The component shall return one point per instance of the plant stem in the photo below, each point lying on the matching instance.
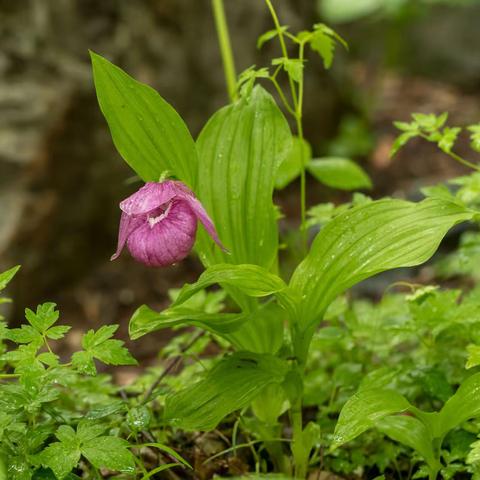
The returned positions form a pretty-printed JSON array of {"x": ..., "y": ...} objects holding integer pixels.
[
  {"x": 461, "y": 160},
  {"x": 298, "y": 452},
  {"x": 303, "y": 187},
  {"x": 225, "y": 49},
  {"x": 455, "y": 156},
  {"x": 283, "y": 46},
  {"x": 297, "y": 113}
]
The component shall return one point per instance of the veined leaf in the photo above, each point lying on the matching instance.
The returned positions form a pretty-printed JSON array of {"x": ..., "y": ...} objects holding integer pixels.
[
  {"x": 367, "y": 240},
  {"x": 364, "y": 410},
  {"x": 251, "y": 280},
  {"x": 293, "y": 67},
  {"x": 147, "y": 131},
  {"x": 146, "y": 320},
  {"x": 269, "y": 35},
  {"x": 464, "y": 405},
  {"x": 339, "y": 173},
  {"x": 6, "y": 276},
  {"x": 409, "y": 431},
  {"x": 240, "y": 150},
  {"x": 291, "y": 166},
  {"x": 263, "y": 332},
  {"x": 231, "y": 385}
]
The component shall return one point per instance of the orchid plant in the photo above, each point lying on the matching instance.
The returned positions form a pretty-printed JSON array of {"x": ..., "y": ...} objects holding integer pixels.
[{"x": 225, "y": 179}]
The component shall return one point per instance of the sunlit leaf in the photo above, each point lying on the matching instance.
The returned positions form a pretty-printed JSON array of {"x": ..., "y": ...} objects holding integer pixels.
[
  {"x": 364, "y": 410},
  {"x": 409, "y": 431},
  {"x": 465, "y": 404}
]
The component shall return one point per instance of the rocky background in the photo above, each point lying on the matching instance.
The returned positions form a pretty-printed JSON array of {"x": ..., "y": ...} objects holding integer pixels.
[{"x": 61, "y": 178}]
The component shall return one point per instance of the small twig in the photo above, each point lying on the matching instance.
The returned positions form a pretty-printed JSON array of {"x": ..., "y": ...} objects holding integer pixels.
[{"x": 174, "y": 362}]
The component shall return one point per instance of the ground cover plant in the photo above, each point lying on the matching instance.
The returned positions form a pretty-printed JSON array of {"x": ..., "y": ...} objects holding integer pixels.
[{"x": 306, "y": 379}]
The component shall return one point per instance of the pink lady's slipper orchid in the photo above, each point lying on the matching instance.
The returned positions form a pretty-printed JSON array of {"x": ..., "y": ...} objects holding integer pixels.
[{"x": 159, "y": 223}]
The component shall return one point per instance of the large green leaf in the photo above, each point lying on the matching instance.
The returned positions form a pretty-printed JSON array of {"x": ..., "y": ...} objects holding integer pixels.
[
  {"x": 339, "y": 173},
  {"x": 231, "y": 385},
  {"x": 146, "y": 320},
  {"x": 409, "y": 431},
  {"x": 251, "y": 280},
  {"x": 148, "y": 133},
  {"x": 240, "y": 150},
  {"x": 364, "y": 410},
  {"x": 464, "y": 405},
  {"x": 367, "y": 240}
]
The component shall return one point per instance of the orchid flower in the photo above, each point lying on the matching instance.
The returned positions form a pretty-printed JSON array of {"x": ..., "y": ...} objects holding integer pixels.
[{"x": 159, "y": 223}]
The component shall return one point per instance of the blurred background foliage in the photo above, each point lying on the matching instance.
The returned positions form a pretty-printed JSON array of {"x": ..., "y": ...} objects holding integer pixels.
[{"x": 61, "y": 179}]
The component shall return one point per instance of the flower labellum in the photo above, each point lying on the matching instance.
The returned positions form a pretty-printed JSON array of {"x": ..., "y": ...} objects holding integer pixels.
[{"x": 159, "y": 223}]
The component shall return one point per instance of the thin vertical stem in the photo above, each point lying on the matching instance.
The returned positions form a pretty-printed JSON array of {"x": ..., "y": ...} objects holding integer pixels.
[
  {"x": 297, "y": 98},
  {"x": 225, "y": 49},
  {"x": 303, "y": 187},
  {"x": 283, "y": 46}
]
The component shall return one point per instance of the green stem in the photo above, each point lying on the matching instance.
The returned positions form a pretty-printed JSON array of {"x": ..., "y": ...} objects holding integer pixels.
[
  {"x": 455, "y": 156},
  {"x": 225, "y": 49},
  {"x": 297, "y": 113},
  {"x": 283, "y": 46},
  {"x": 282, "y": 96},
  {"x": 461, "y": 160},
  {"x": 303, "y": 187},
  {"x": 299, "y": 450}
]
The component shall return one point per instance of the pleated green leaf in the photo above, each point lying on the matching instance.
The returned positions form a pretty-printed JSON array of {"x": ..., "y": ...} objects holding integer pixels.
[
  {"x": 364, "y": 410},
  {"x": 240, "y": 150},
  {"x": 147, "y": 131},
  {"x": 146, "y": 320},
  {"x": 464, "y": 405},
  {"x": 231, "y": 385},
  {"x": 251, "y": 280},
  {"x": 409, "y": 431},
  {"x": 263, "y": 332},
  {"x": 367, "y": 240}
]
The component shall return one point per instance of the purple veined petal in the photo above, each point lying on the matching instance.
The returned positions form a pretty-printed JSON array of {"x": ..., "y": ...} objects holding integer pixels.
[
  {"x": 128, "y": 224},
  {"x": 166, "y": 241},
  {"x": 183, "y": 192},
  {"x": 152, "y": 195},
  {"x": 203, "y": 217}
]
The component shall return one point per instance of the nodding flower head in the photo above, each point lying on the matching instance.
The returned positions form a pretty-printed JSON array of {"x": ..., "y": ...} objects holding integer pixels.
[{"x": 159, "y": 223}]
